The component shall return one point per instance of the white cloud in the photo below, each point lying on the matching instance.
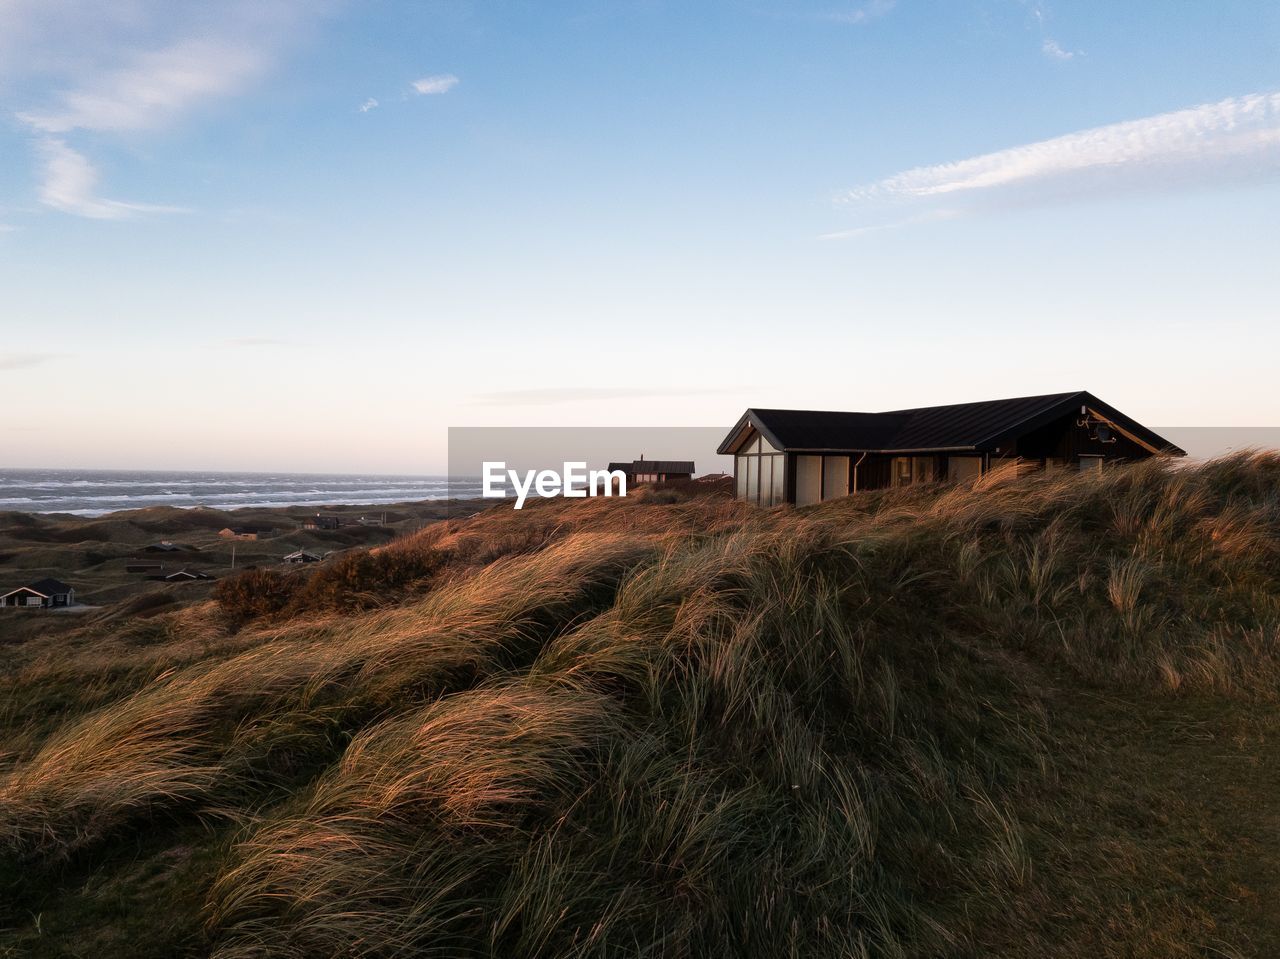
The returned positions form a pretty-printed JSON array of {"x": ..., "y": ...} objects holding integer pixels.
[
  {"x": 126, "y": 66},
  {"x": 70, "y": 183},
  {"x": 154, "y": 87},
  {"x": 873, "y": 10},
  {"x": 928, "y": 217},
  {"x": 1238, "y": 138},
  {"x": 370, "y": 104},
  {"x": 1053, "y": 51},
  {"x": 438, "y": 83}
]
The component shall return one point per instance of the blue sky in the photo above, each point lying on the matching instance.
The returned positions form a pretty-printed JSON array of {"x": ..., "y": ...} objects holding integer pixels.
[{"x": 312, "y": 235}]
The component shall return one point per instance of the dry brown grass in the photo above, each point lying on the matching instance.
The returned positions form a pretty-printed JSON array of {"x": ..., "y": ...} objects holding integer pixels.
[{"x": 598, "y": 728}]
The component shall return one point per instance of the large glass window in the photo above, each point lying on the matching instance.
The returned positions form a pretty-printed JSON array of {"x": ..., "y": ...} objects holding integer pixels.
[
  {"x": 761, "y": 473},
  {"x": 779, "y": 479}
]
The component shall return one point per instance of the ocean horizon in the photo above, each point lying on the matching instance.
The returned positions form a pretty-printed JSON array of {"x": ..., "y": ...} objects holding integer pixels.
[{"x": 82, "y": 492}]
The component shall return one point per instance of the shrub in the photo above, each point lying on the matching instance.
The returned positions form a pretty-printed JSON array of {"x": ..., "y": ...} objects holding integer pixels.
[
  {"x": 364, "y": 579},
  {"x": 255, "y": 593}
]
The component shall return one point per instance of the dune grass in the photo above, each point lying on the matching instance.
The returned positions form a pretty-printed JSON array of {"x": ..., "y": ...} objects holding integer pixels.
[{"x": 878, "y": 727}]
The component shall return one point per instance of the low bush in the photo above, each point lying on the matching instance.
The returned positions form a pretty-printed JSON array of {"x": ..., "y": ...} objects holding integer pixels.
[{"x": 255, "y": 593}]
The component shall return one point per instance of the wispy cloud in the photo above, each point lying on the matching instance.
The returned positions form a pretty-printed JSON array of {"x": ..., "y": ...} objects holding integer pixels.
[
  {"x": 70, "y": 183},
  {"x": 1048, "y": 45},
  {"x": 24, "y": 361},
  {"x": 872, "y": 10},
  {"x": 154, "y": 87},
  {"x": 931, "y": 216},
  {"x": 121, "y": 68},
  {"x": 370, "y": 104},
  {"x": 438, "y": 83},
  {"x": 1229, "y": 141},
  {"x": 575, "y": 394},
  {"x": 1052, "y": 50}
]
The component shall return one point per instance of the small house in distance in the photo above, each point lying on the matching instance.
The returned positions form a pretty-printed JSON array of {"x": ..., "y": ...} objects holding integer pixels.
[
  {"x": 302, "y": 556},
  {"x": 322, "y": 522},
  {"x": 42, "y": 594},
  {"x": 808, "y": 456},
  {"x": 180, "y": 576},
  {"x": 654, "y": 471},
  {"x": 244, "y": 532},
  {"x": 164, "y": 546}
]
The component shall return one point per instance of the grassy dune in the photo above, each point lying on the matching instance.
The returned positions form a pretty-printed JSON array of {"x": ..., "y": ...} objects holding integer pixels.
[{"x": 1031, "y": 717}]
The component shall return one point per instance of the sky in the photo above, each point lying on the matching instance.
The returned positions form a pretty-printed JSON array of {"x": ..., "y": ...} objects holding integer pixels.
[{"x": 314, "y": 234}]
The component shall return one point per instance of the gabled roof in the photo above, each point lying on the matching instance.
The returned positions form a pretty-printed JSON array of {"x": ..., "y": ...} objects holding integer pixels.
[
  {"x": 653, "y": 466},
  {"x": 961, "y": 426},
  {"x": 44, "y": 587}
]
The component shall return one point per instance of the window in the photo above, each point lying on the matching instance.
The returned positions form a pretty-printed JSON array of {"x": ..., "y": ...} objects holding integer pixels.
[
  {"x": 1090, "y": 464},
  {"x": 914, "y": 469},
  {"x": 902, "y": 471},
  {"x": 961, "y": 469},
  {"x": 761, "y": 472}
]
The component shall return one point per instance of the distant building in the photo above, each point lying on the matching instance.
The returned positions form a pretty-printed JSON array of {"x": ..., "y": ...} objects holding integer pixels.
[
  {"x": 244, "y": 532},
  {"x": 42, "y": 594},
  {"x": 143, "y": 566},
  {"x": 181, "y": 576},
  {"x": 302, "y": 556},
  {"x": 164, "y": 546},
  {"x": 322, "y": 522},
  {"x": 654, "y": 471}
]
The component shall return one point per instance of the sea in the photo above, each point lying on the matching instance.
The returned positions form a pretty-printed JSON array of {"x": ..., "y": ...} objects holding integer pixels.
[{"x": 94, "y": 492}]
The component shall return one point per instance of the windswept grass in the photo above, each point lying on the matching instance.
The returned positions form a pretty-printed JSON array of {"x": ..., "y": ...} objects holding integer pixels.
[{"x": 641, "y": 728}]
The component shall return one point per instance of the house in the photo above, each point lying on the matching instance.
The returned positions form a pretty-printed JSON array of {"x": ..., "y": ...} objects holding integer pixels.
[
  {"x": 302, "y": 556},
  {"x": 806, "y": 456},
  {"x": 322, "y": 522},
  {"x": 143, "y": 566},
  {"x": 42, "y": 594},
  {"x": 180, "y": 576},
  {"x": 164, "y": 546},
  {"x": 244, "y": 532},
  {"x": 654, "y": 471}
]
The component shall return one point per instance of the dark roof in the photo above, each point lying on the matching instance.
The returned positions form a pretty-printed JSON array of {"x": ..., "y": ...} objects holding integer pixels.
[
  {"x": 49, "y": 587},
  {"x": 653, "y": 466},
  {"x": 960, "y": 426}
]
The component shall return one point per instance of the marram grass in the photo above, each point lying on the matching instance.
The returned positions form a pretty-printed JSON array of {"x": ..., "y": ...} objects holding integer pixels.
[{"x": 645, "y": 728}]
